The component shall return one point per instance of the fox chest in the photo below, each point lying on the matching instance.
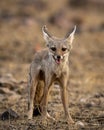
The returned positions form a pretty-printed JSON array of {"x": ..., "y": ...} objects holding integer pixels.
[{"x": 58, "y": 72}]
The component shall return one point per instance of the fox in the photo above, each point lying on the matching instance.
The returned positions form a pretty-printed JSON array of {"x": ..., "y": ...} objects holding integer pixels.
[{"x": 49, "y": 66}]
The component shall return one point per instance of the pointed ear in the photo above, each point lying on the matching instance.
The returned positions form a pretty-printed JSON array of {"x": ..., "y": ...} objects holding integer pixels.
[
  {"x": 46, "y": 34},
  {"x": 70, "y": 36}
]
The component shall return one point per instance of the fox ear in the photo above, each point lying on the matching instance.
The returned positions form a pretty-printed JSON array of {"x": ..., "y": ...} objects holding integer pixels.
[
  {"x": 70, "y": 37},
  {"x": 46, "y": 34}
]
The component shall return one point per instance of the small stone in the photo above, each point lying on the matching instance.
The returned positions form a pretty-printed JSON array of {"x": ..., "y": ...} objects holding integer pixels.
[
  {"x": 80, "y": 124},
  {"x": 9, "y": 114},
  {"x": 83, "y": 100}
]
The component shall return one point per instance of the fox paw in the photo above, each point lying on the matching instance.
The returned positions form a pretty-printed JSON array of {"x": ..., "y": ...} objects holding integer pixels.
[
  {"x": 50, "y": 117},
  {"x": 47, "y": 116},
  {"x": 29, "y": 115}
]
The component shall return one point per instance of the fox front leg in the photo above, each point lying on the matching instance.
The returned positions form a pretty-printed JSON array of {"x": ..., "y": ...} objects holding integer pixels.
[
  {"x": 64, "y": 97},
  {"x": 44, "y": 102}
]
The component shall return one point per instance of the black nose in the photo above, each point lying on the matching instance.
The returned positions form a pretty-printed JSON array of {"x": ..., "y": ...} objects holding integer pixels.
[{"x": 58, "y": 57}]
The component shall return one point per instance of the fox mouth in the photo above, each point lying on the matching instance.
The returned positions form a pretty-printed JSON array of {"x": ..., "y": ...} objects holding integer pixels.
[{"x": 57, "y": 60}]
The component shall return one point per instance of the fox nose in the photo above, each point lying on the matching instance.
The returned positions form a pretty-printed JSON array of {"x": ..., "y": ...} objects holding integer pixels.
[{"x": 58, "y": 57}]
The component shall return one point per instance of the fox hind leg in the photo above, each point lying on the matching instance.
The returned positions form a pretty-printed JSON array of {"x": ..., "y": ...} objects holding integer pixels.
[{"x": 32, "y": 89}]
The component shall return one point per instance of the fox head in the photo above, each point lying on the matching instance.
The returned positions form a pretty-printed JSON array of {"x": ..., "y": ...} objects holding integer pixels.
[{"x": 59, "y": 49}]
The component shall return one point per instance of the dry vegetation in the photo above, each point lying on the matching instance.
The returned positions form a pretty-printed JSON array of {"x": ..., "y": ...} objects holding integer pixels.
[{"x": 21, "y": 36}]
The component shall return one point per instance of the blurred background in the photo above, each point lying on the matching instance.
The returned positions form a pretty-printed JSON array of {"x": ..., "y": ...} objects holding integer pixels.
[
  {"x": 21, "y": 36},
  {"x": 20, "y": 30}
]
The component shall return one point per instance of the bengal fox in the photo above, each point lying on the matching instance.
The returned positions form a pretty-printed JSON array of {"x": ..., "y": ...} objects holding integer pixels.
[{"x": 50, "y": 65}]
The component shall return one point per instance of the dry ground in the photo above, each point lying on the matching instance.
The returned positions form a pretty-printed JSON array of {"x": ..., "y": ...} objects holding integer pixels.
[{"x": 21, "y": 36}]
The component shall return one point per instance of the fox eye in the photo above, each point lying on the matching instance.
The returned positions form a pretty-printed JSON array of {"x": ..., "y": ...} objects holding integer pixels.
[
  {"x": 64, "y": 49},
  {"x": 53, "y": 48}
]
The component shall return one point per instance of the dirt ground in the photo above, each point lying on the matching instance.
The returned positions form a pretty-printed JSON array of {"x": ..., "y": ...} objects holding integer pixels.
[{"x": 21, "y": 37}]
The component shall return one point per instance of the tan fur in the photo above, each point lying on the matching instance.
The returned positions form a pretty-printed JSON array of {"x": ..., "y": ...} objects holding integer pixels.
[{"x": 49, "y": 66}]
